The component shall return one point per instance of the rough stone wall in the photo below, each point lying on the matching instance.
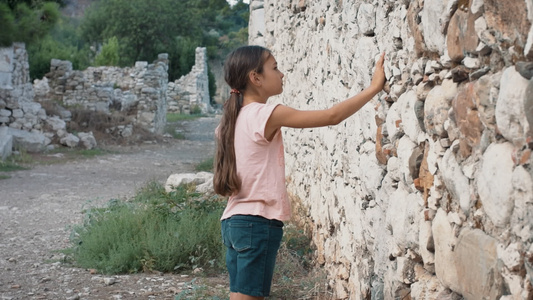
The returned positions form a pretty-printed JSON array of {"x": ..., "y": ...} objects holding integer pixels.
[
  {"x": 16, "y": 92},
  {"x": 24, "y": 124},
  {"x": 427, "y": 191},
  {"x": 143, "y": 91},
  {"x": 139, "y": 90},
  {"x": 191, "y": 90}
]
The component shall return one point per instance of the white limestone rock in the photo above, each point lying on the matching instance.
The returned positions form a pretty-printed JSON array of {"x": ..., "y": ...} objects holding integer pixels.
[
  {"x": 200, "y": 179},
  {"x": 88, "y": 140},
  {"x": 366, "y": 18},
  {"x": 510, "y": 109},
  {"x": 70, "y": 140},
  {"x": 6, "y": 143},
  {"x": 522, "y": 217},
  {"x": 402, "y": 217},
  {"x": 433, "y": 37},
  {"x": 56, "y": 123},
  {"x": 454, "y": 179},
  {"x": 29, "y": 141},
  {"x": 445, "y": 241},
  {"x": 494, "y": 183},
  {"x": 477, "y": 266}
]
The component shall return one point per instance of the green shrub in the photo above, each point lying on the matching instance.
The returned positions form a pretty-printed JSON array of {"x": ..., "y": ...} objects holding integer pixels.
[
  {"x": 156, "y": 230},
  {"x": 205, "y": 166},
  {"x": 109, "y": 56},
  {"x": 10, "y": 166},
  {"x": 196, "y": 110},
  {"x": 176, "y": 117}
]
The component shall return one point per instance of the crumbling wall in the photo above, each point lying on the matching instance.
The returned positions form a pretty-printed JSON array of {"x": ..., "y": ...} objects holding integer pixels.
[
  {"x": 191, "y": 91},
  {"x": 142, "y": 92},
  {"x": 138, "y": 91},
  {"x": 24, "y": 124},
  {"x": 427, "y": 191}
]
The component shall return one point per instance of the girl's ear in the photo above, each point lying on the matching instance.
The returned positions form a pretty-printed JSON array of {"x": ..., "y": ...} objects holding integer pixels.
[{"x": 254, "y": 78}]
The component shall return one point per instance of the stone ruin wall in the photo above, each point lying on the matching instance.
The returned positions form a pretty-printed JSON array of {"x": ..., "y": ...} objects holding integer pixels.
[
  {"x": 23, "y": 122},
  {"x": 138, "y": 91},
  {"x": 427, "y": 192},
  {"x": 142, "y": 93},
  {"x": 191, "y": 91},
  {"x": 142, "y": 90}
]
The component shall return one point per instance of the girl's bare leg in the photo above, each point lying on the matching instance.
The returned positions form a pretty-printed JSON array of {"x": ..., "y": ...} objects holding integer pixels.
[{"x": 239, "y": 296}]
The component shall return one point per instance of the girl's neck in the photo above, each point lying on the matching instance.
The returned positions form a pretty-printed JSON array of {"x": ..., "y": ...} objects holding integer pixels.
[{"x": 253, "y": 97}]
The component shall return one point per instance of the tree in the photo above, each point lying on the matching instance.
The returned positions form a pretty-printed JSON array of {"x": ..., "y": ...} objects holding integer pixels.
[
  {"x": 26, "y": 21},
  {"x": 145, "y": 28},
  {"x": 62, "y": 42},
  {"x": 109, "y": 56},
  {"x": 142, "y": 27}
]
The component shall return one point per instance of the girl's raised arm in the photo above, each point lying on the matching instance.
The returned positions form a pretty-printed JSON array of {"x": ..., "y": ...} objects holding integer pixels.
[{"x": 284, "y": 116}]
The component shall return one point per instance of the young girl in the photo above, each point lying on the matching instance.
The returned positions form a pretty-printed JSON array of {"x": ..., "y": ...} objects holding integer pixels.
[{"x": 250, "y": 165}]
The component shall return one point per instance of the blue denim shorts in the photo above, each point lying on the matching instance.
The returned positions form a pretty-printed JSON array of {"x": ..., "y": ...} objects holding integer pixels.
[{"x": 252, "y": 243}]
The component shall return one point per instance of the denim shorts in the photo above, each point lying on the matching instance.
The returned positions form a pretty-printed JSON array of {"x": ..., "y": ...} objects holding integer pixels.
[{"x": 252, "y": 243}]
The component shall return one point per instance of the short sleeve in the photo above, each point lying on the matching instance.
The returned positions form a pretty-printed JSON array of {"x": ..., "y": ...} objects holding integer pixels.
[{"x": 258, "y": 119}]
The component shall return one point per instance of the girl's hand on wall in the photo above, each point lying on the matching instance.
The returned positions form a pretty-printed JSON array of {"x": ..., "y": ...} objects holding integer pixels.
[{"x": 378, "y": 79}]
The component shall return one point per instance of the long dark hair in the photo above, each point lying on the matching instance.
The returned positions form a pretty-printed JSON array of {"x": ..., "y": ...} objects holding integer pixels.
[{"x": 238, "y": 65}]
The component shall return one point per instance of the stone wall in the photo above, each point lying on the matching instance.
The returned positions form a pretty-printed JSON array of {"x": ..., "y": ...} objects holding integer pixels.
[
  {"x": 142, "y": 91},
  {"x": 139, "y": 91},
  {"x": 191, "y": 91},
  {"x": 427, "y": 191},
  {"x": 24, "y": 124}
]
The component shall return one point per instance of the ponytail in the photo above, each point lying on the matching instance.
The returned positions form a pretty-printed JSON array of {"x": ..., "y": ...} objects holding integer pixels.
[
  {"x": 238, "y": 65},
  {"x": 225, "y": 180}
]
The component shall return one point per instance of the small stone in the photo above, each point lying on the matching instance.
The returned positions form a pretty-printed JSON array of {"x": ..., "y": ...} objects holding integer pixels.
[
  {"x": 109, "y": 280},
  {"x": 459, "y": 74},
  {"x": 479, "y": 73},
  {"x": 525, "y": 69}
]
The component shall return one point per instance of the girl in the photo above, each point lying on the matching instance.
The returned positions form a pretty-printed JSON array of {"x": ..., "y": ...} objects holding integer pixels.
[{"x": 250, "y": 166}]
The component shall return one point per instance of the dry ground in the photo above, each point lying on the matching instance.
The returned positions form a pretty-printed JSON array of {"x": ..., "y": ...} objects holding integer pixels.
[{"x": 37, "y": 207}]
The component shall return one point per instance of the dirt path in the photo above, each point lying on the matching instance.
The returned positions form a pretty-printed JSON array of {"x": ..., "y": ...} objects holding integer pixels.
[{"x": 37, "y": 207}]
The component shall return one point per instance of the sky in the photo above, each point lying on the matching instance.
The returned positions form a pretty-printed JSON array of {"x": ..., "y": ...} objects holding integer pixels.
[{"x": 231, "y": 2}]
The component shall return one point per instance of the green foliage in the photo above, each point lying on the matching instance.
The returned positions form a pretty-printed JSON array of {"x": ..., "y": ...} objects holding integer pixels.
[
  {"x": 25, "y": 22},
  {"x": 63, "y": 43},
  {"x": 182, "y": 56},
  {"x": 10, "y": 166},
  {"x": 196, "y": 110},
  {"x": 212, "y": 85},
  {"x": 109, "y": 56},
  {"x": 31, "y": 3},
  {"x": 205, "y": 166},
  {"x": 145, "y": 28},
  {"x": 176, "y": 117},
  {"x": 7, "y": 23},
  {"x": 154, "y": 231}
]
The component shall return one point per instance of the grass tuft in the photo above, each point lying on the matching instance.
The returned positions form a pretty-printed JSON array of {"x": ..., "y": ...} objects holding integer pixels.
[
  {"x": 155, "y": 231},
  {"x": 206, "y": 165},
  {"x": 176, "y": 117}
]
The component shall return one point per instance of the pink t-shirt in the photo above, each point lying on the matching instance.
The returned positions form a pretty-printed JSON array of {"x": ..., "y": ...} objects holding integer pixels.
[{"x": 261, "y": 167}]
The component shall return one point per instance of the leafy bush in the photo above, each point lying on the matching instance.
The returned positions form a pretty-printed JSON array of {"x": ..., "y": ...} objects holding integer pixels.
[
  {"x": 156, "y": 230},
  {"x": 109, "y": 56}
]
